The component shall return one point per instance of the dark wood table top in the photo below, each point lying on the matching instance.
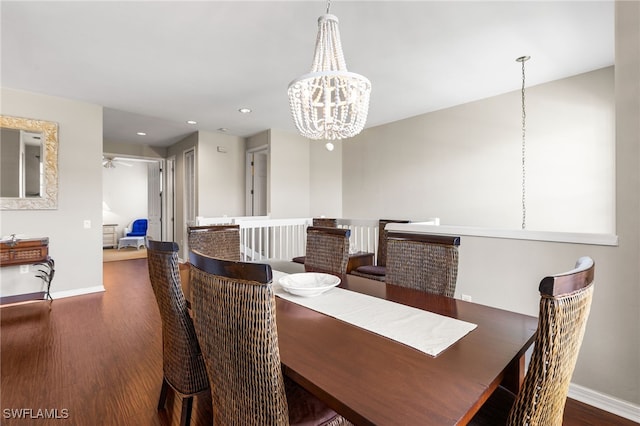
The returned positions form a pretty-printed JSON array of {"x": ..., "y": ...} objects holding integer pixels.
[{"x": 371, "y": 379}]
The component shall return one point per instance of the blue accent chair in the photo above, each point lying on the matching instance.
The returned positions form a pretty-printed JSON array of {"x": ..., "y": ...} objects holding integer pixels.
[{"x": 138, "y": 228}]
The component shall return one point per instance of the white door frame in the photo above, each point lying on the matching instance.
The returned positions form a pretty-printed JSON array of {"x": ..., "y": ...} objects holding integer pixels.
[
  {"x": 160, "y": 184},
  {"x": 169, "y": 198},
  {"x": 250, "y": 189}
]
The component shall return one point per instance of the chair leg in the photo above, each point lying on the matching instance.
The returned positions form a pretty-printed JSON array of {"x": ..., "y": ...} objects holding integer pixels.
[
  {"x": 163, "y": 394},
  {"x": 187, "y": 404}
]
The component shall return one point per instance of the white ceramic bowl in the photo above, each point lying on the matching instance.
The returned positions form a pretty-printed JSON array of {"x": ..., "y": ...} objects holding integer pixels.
[{"x": 308, "y": 284}]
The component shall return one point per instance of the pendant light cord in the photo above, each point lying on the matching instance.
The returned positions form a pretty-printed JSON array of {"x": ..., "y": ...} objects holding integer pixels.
[
  {"x": 328, "y": 6},
  {"x": 522, "y": 60},
  {"x": 524, "y": 169}
]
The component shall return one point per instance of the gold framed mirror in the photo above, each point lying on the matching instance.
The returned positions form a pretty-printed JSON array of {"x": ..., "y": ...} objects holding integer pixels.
[{"x": 29, "y": 164}]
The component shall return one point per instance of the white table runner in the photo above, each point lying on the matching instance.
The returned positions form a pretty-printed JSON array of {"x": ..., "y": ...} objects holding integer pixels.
[{"x": 425, "y": 331}]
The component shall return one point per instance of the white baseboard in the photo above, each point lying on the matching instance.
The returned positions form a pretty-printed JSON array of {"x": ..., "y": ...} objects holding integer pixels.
[
  {"x": 76, "y": 292},
  {"x": 605, "y": 402}
]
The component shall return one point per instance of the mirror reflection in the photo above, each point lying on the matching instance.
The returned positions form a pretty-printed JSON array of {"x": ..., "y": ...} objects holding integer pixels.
[
  {"x": 21, "y": 163},
  {"x": 28, "y": 163}
]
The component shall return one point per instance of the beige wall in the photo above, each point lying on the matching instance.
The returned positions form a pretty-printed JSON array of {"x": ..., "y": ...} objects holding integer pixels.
[
  {"x": 77, "y": 251},
  {"x": 258, "y": 140},
  {"x": 463, "y": 164},
  {"x": 325, "y": 184},
  {"x": 221, "y": 175},
  {"x": 623, "y": 284},
  {"x": 133, "y": 149},
  {"x": 289, "y": 175},
  {"x": 220, "y": 181},
  {"x": 418, "y": 181},
  {"x": 177, "y": 151},
  {"x": 304, "y": 178}
]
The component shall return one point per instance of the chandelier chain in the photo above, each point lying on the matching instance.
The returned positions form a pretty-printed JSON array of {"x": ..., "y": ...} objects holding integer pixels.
[
  {"x": 328, "y": 6},
  {"x": 524, "y": 128}
]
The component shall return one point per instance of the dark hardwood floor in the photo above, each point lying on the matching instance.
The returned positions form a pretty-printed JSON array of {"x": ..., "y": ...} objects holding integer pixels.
[{"x": 97, "y": 360}]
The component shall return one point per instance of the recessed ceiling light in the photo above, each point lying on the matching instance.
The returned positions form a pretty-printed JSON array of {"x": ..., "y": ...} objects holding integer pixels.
[
  {"x": 141, "y": 134},
  {"x": 223, "y": 129},
  {"x": 192, "y": 122},
  {"x": 244, "y": 110}
]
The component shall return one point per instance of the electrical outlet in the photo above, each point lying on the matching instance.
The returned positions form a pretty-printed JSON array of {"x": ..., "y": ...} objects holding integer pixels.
[
  {"x": 466, "y": 298},
  {"x": 24, "y": 269},
  {"x": 87, "y": 224}
]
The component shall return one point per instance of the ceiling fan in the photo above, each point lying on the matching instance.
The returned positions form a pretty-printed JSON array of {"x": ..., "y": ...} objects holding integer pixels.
[{"x": 112, "y": 162}]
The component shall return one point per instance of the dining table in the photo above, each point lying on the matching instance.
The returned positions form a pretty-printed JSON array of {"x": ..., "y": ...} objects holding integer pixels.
[{"x": 371, "y": 379}]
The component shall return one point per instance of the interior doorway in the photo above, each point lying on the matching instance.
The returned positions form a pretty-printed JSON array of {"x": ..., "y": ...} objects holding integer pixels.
[
  {"x": 134, "y": 187},
  {"x": 154, "y": 200},
  {"x": 256, "y": 187}
]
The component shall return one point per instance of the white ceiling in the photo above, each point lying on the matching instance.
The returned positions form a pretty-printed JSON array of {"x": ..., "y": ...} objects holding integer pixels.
[{"x": 155, "y": 64}]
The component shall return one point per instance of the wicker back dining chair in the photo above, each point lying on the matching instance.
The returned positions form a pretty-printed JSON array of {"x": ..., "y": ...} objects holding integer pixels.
[
  {"x": 325, "y": 222},
  {"x": 424, "y": 262},
  {"x": 220, "y": 241},
  {"x": 327, "y": 249},
  {"x": 182, "y": 362},
  {"x": 235, "y": 320},
  {"x": 379, "y": 270},
  {"x": 565, "y": 302}
]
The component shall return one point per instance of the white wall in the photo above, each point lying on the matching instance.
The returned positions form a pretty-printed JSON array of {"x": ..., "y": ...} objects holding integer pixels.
[
  {"x": 125, "y": 192},
  {"x": 463, "y": 164},
  {"x": 77, "y": 251}
]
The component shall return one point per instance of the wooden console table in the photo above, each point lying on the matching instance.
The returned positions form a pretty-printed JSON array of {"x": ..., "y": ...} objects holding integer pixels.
[{"x": 30, "y": 251}]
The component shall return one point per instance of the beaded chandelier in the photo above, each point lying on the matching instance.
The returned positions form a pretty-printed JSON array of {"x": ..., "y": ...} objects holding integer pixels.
[{"x": 329, "y": 102}]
